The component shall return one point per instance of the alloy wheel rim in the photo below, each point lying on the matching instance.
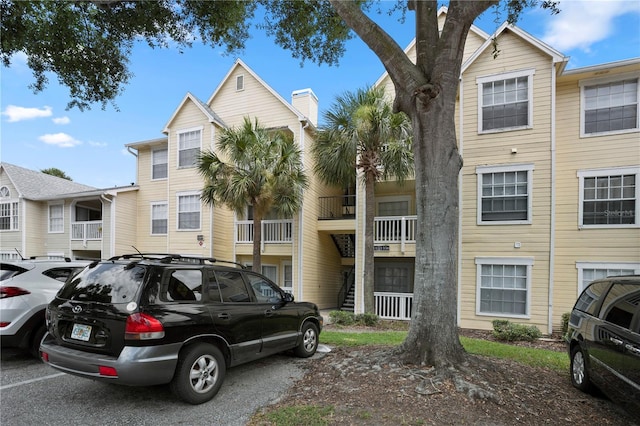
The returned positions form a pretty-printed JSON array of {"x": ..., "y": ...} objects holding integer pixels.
[
  {"x": 578, "y": 368},
  {"x": 204, "y": 374},
  {"x": 309, "y": 340}
]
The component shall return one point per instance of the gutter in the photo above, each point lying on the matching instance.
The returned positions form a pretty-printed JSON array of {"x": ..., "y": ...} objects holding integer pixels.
[
  {"x": 299, "y": 262},
  {"x": 460, "y": 181}
]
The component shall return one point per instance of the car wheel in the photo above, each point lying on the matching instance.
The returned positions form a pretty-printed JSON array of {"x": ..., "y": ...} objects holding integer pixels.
[
  {"x": 579, "y": 369},
  {"x": 199, "y": 373},
  {"x": 309, "y": 343},
  {"x": 36, "y": 338}
]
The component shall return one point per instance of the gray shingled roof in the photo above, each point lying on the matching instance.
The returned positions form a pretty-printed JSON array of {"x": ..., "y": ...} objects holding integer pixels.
[{"x": 34, "y": 185}]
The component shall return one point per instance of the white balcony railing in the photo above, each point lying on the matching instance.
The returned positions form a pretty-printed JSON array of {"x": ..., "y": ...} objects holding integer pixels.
[
  {"x": 273, "y": 231},
  {"x": 395, "y": 229},
  {"x": 395, "y": 306},
  {"x": 86, "y": 231}
]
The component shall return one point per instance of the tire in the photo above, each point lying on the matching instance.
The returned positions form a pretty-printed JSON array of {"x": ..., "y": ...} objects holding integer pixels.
[
  {"x": 580, "y": 370},
  {"x": 309, "y": 343},
  {"x": 199, "y": 374},
  {"x": 36, "y": 338}
]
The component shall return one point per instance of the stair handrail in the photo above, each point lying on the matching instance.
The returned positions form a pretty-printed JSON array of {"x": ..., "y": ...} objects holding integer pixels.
[{"x": 348, "y": 281}]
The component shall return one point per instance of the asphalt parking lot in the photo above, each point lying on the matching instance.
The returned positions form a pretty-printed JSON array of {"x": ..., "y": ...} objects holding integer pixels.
[{"x": 34, "y": 393}]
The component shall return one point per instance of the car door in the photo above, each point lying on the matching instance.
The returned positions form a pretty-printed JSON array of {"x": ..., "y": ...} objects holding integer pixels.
[
  {"x": 236, "y": 315},
  {"x": 281, "y": 320}
]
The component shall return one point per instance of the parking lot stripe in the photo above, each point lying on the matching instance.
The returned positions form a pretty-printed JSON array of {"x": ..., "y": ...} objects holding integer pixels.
[{"x": 26, "y": 382}]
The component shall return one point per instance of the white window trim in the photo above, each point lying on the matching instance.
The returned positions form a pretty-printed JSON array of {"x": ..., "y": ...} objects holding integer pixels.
[
  {"x": 607, "y": 172},
  {"x": 238, "y": 78},
  {"x": 283, "y": 266},
  {"x": 14, "y": 225},
  {"x": 49, "y": 218},
  {"x": 394, "y": 199},
  {"x": 180, "y": 132},
  {"x": 151, "y": 205},
  {"x": 481, "y": 170},
  {"x": 505, "y": 76},
  {"x": 581, "y": 266},
  {"x": 184, "y": 194},
  {"x": 605, "y": 80},
  {"x": 153, "y": 164},
  {"x": 527, "y": 261}
]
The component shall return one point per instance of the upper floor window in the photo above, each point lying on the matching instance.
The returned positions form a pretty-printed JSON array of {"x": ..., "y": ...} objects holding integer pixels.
[
  {"x": 56, "y": 218},
  {"x": 189, "y": 143},
  {"x": 189, "y": 211},
  {"x": 4, "y": 192},
  {"x": 609, "y": 106},
  {"x": 9, "y": 216},
  {"x": 239, "y": 83},
  {"x": 159, "y": 163},
  {"x": 504, "y": 194},
  {"x": 505, "y": 101},
  {"x": 159, "y": 218},
  {"x": 609, "y": 198},
  {"x": 503, "y": 286}
]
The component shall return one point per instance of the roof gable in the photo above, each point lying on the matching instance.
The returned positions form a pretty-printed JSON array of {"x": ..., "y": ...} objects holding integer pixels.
[
  {"x": 206, "y": 111},
  {"x": 34, "y": 185}
]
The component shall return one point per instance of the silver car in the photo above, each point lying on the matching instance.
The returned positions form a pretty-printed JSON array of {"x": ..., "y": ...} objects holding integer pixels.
[{"x": 26, "y": 288}]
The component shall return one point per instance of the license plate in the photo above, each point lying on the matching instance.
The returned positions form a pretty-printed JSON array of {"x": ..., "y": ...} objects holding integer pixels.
[{"x": 81, "y": 332}]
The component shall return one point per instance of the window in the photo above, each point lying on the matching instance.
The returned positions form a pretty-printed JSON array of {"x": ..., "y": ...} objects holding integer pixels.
[
  {"x": 239, "y": 83},
  {"x": 159, "y": 218},
  {"x": 232, "y": 287},
  {"x": 621, "y": 304},
  {"x": 591, "y": 271},
  {"x": 503, "y": 286},
  {"x": 393, "y": 206},
  {"x": 188, "y": 148},
  {"x": 184, "y": 286},
  {"x": 504, "y": 194},
  {"x": 159, "y": 164},
  {"x": 4, "y": 192},
  {"x": 271, "y": 272},
  {"x": 9, "y": 216},
  {"x": 609, "y": 106},
  {"x": 264, "y": 291},
  {"x": 56, "y": 218},
  {"x": 393, "y": 277},
  {"x": 287, "y": 279},
  {"x": 609, "y": 198},
  {"x": 188, "y": 211},
  {"x": 505, "y": 101}
]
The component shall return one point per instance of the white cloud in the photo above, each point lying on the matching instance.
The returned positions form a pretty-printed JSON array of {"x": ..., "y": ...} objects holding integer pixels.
[
  {"x": 61, "y": 120},
  {"x": 98, "y": 144},
  {"x": 18, "y": 113},
  {"x": 61, "y": 140},
  {"x": 582, "y": 23}
]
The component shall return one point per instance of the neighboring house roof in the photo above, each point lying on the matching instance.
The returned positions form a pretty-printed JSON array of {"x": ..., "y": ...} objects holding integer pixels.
[
  {"x": 149, "y": 142},
  {"x": 239, "y": 63},
  {"x": 557, "y": 56},
  {"x": 34, "y": 185},
  {"x": 602, "y": 67},
  {"x": 208, "y": 112}
]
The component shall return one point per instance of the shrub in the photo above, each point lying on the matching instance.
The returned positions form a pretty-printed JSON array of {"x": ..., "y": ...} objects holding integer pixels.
[
  {"x": 367, "y": 319},
  {"x": 342, "y": 317},
  {"x": 506, "y": 330},
  {"x": 565, "y": 323}
]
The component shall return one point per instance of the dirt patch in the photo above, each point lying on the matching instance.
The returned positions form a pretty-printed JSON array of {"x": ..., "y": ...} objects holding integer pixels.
[{"x": 368, "y": 386}]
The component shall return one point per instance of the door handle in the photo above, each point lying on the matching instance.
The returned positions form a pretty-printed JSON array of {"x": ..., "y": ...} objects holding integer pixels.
[
  {"x": 268, "y": 313},
  {"x": 632, "y": 349},
  {"x": 224, "y": 316},
  {"x": 616, "y": 341}
]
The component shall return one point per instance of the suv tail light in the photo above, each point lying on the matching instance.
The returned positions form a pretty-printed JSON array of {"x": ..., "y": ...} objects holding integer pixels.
[
  {"x": 6, "y": 292},
  {"x": 142, "y": 326}
]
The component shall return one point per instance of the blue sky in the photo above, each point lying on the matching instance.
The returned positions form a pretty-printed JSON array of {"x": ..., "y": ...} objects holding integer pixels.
[{"x": 37, "y": 132}]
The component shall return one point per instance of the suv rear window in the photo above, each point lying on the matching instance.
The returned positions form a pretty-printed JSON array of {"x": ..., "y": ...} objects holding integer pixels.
[
  {"x": 7, "y": 271},
  {"x": 105, "y": 283}
]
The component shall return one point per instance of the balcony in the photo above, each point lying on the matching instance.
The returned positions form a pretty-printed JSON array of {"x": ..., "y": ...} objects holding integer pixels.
[
  {"x": 86, "y": 231},
  {"x": 273, "y": 232},
  {"x": 394, "y": 306},
  {"x": 340, "y": 207},
  {"x": 395, "y": 230}
]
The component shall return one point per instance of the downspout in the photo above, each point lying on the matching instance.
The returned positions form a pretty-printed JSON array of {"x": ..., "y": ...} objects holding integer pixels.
[
  {"x": 112, "y": 225},
  {"x": 460, "y": 149},
  {"x": 301, "y": 214},
  {"x": 22, "y": 205},
  {"x": 552, "y": 224}
]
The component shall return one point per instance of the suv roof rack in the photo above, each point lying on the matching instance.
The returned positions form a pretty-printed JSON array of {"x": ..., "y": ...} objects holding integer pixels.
[
  {"x": 170, "y": 257},
  {"x": 63, "y": 259}
]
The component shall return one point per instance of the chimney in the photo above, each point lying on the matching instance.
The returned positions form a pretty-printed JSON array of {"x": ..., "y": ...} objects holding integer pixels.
[{"x": 306, "y": 102}]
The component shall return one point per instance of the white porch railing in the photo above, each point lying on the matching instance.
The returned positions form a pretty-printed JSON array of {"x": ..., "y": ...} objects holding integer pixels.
[
  {"x": 86, "y": 231},
  {"x": 273, "y": 231},
  {"x": 395, "y": 229},
  {"x": 395, "y": 306}
]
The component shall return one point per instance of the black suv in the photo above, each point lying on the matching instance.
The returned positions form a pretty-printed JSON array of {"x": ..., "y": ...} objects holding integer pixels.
[
  {"x": 604, "y": 340},
  {"x": 148, "y": 319}
]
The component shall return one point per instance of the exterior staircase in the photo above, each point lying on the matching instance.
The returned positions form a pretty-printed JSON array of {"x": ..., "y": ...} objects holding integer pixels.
[
  {"x": 346, "y": 244},
  {"x": 349, "y": 300}
]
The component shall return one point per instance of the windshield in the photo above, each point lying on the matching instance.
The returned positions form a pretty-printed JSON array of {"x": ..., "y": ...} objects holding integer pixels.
[{"x": 105, "y": 283}]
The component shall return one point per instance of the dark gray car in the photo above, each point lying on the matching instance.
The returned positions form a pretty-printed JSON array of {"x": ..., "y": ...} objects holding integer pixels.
[{"x": 604, "y": 340}]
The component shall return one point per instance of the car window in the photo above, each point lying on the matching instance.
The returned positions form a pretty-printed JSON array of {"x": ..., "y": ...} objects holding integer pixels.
[
  {"x": 621, "y": 304},
  {"x": 587, "y": 300},
  {"x": 214, "y": 288},
  {"x": 7, "y": 271},
  {"x": 105, "y": 283},
  {"x": 232, "y": 287},
  {"x": 265, "y": 291},
  {"x": 61, "y": 274},
  {"x": 184, "y": 285}
]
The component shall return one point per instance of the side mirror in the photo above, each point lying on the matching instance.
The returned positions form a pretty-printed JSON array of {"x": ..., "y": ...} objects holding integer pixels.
[{"x": 288, "y": 298}]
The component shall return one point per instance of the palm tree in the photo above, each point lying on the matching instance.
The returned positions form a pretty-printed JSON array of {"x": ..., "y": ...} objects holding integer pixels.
[
  {"x": 259, "y": 167},
  {"x": 362, "y": 133}
]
